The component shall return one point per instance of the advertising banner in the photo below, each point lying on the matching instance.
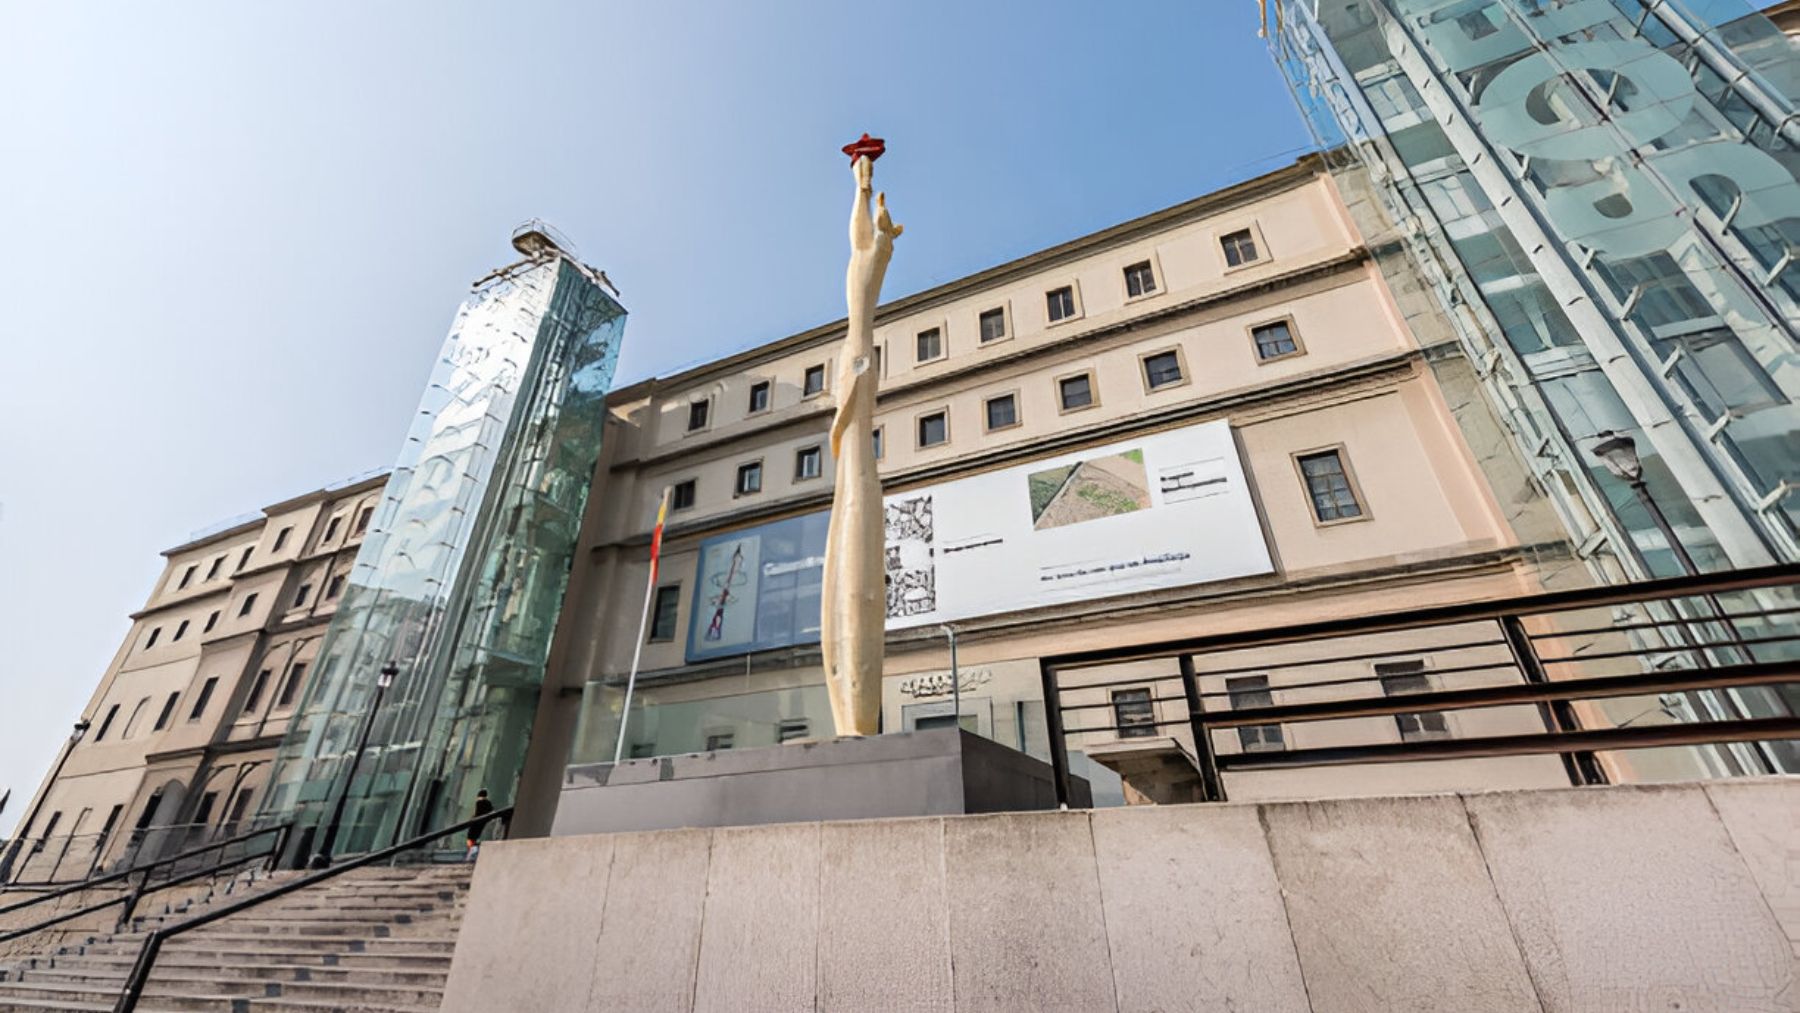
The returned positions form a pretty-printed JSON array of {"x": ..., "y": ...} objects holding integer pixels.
[{"x": 1157, "y": 511}]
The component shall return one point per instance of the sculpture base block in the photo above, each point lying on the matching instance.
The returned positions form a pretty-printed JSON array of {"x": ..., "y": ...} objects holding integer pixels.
[{"x": 937, "y": 772}]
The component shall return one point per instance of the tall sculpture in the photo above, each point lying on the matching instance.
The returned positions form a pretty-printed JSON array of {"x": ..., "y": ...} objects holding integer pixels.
[{"x": 853, "y": 619}]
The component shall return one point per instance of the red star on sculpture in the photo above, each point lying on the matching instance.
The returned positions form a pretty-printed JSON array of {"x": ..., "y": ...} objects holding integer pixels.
[{"x": 865, "y": 145}]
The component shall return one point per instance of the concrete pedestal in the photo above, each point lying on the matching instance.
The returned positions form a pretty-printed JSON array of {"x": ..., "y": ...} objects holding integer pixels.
[{"x": 938, "y": 772}]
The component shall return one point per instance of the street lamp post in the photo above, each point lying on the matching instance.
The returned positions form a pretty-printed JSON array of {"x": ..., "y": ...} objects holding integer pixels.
[
  {"x": 322, "y": 859},
  {"x": 1618, "y": 452},
  {"x": 12, "y": 853}
]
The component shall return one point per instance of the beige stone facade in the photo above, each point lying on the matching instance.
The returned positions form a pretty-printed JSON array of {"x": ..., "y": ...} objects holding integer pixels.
[
  {"x": 186, "y": 718},
  {"x": 1191, "y": 285}
]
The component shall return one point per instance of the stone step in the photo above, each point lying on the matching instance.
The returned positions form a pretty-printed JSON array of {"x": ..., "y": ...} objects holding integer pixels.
[
  {"x": 197, "y": 972},
  {"x": 250, "y": 960},
  {"x": 199, "y": 994},
  {"x": 248, "y": 944}
]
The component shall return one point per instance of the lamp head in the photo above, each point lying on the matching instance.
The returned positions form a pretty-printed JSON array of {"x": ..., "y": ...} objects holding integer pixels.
[
  {"x": 81, "y": 728},
  {"x": 1619, "y": 453},
  {"x": 388, "y": 672}
]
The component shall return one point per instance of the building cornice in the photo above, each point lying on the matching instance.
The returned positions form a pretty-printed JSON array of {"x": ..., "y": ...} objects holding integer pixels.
[
  {"x": 352, "y": 488},
  {"x": 1396, "y": 365}
]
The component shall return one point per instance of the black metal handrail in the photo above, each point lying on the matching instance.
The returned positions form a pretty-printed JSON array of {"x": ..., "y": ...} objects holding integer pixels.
[
  {"x": 153, "y": 942},
  {"x": 1687, "y": 647},
  {"x": 145, "y": 873}
]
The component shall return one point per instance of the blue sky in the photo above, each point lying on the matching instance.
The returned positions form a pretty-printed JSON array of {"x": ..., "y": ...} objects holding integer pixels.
[{"x": 233, "y": 235}]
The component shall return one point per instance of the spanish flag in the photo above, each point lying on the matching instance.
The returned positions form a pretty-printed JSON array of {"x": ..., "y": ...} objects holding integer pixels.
[{"x": 662, "y": 514}]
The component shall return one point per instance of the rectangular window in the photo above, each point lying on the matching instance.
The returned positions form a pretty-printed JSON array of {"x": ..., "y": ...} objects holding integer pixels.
[
  {"x": 168, "y": 711},
  {"x": 211, "y": 621},
  {"x": 157, "y": 632},
  {"x": 664, "y": 613},
  {"x": 1398, "y": 678},
  {"x": 813, "y": 381},
  {"x": 930, "y": 344},
  {"x": 698, "y": 412},
  {"x": 749, "y": 478},
  {"x": 1240, "y": 247},
  {"x": 113, "y": 712},
  {"x": 187, "y": 576},
  {"x": 204, "y": 814},
  {"x": 876, "y": 438},
  {"x": 301, "y": 593},
  {"x": 1140, "y": 279},
  {"x": 50, "y": 827},
  {"x": 106, "y": 829},
  {"x": 334, "y": 588},
  {"x": 719, "y": 740},
  {"x": 331, "y": 529},
  {"x": 249, "y": 603},
  {"x": 1162, "y": 370},
  {"x": 1134, "y": 713},
  {"x": 213, "y": 570},
  {"x": 934, "y": 429},
  {"x": 244, "y": 560},
  {"x": 1274, "y": 341},
  {"x": 789, "y": 729},
  {"x": 993, "y": 325},
  {"x": 759, "y": 396},
  {"x": 1075, "y": 392},
  {"x": 292, "y": 685},
  {"x": 682, "y": 496},
  {"x": 256, "y": 691},
  {"x": 281, "y": 538},
  {"x": 205, "y": 697},
  {"x": 241, "y": 805},
  {"x": 1002, "y": 412},
  {"x": 180, "y": 630},
  {"x": 1060, "y": 303},
  {"x": 808, "y": 463},
  {"x": 1253, "y": 691},
  {"x": 1328, "y": 485},
  {"x": 362, "y": 525}
]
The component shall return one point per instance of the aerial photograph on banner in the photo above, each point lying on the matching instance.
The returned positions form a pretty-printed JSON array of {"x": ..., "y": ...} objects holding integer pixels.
[{"x": 1089, "y": 490}]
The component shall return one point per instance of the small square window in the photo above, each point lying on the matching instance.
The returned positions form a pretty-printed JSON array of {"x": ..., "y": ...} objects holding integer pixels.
[
  {"x": 1060, "y": 303},
  {"x": 331, "y": 529},
  {"x": 200, "y": 702},
  {"x": 1240, "y": 247},
  {"x": 362, "y": 520},
  {"x": 759, "y": 396},
  {"x": 876, "y": 435},
  {"x": 256, "y": 691},
  {"x": 1134, "y": 713},
  {"x": 1329, "y": 487},
  {"x": 808, "y": 463},
  {"x": 180, "y": 630},
  {"x": 1162, "y": 370},
  {"x": 930, "y": 344},
  {"x": 716, "y": 741},
  {"x": 1002, "y": 411},
  {"x": 934, "y": 429},
  {"x": 281, "y": 538},
  {"x": 249, "y": 603},
  {"x": 167, "y": 712},
  {"x": 1398, "y": 678},
  {"x": 789, "y": 729},
  {"x": 292, "y": 685},
  {"x": 1140, "y": 279},
  {"x": 335, "y": 587},
  {"x": 813, "y": 381},
  {"x": 1253, "y": 691},
  {"x": 244, "y": 560},
  {"x": 301, "y": 594},
  {"x": 749, "y": 478},
  {"x": 665, "y": 611},
  {"x": 187, "y": 576},
  {"x": 682, "y": 497},
  {"x": 993, "y": 325},
  {"x": 1274, "y": 340},
  {"x": 698, "y": 413},
  {"x": 151, "y": 641},
  {"x": 1075, "y": 392},
  {"x": 213, "y": 570},
  {"x": 211, "y": 621}
]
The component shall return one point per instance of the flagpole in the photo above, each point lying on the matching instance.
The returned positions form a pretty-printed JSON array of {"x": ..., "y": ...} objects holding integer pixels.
[{"x": 637, "y": 651}]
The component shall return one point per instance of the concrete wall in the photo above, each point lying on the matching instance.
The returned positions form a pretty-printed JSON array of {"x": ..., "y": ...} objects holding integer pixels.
[{"x": 1629, "y": 898}]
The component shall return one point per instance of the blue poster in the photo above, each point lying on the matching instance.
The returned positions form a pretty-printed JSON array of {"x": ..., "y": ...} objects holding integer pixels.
[{"x": 758, "y": 588}]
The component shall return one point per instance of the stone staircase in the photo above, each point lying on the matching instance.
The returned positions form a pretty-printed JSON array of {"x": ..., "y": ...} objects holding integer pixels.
[{"x": 374, "y": 940}]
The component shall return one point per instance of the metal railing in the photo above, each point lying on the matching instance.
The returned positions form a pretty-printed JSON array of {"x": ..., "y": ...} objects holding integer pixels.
[
  {"x": 139, "y": 977},
  {"x": 1708, "y": 663},
  {"x": 158, "y": 874},
  {"x": 53, "y": 861}
]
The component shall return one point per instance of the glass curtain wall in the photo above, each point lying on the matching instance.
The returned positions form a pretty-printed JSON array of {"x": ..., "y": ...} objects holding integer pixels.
[{"x": 461, "y": 579}]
